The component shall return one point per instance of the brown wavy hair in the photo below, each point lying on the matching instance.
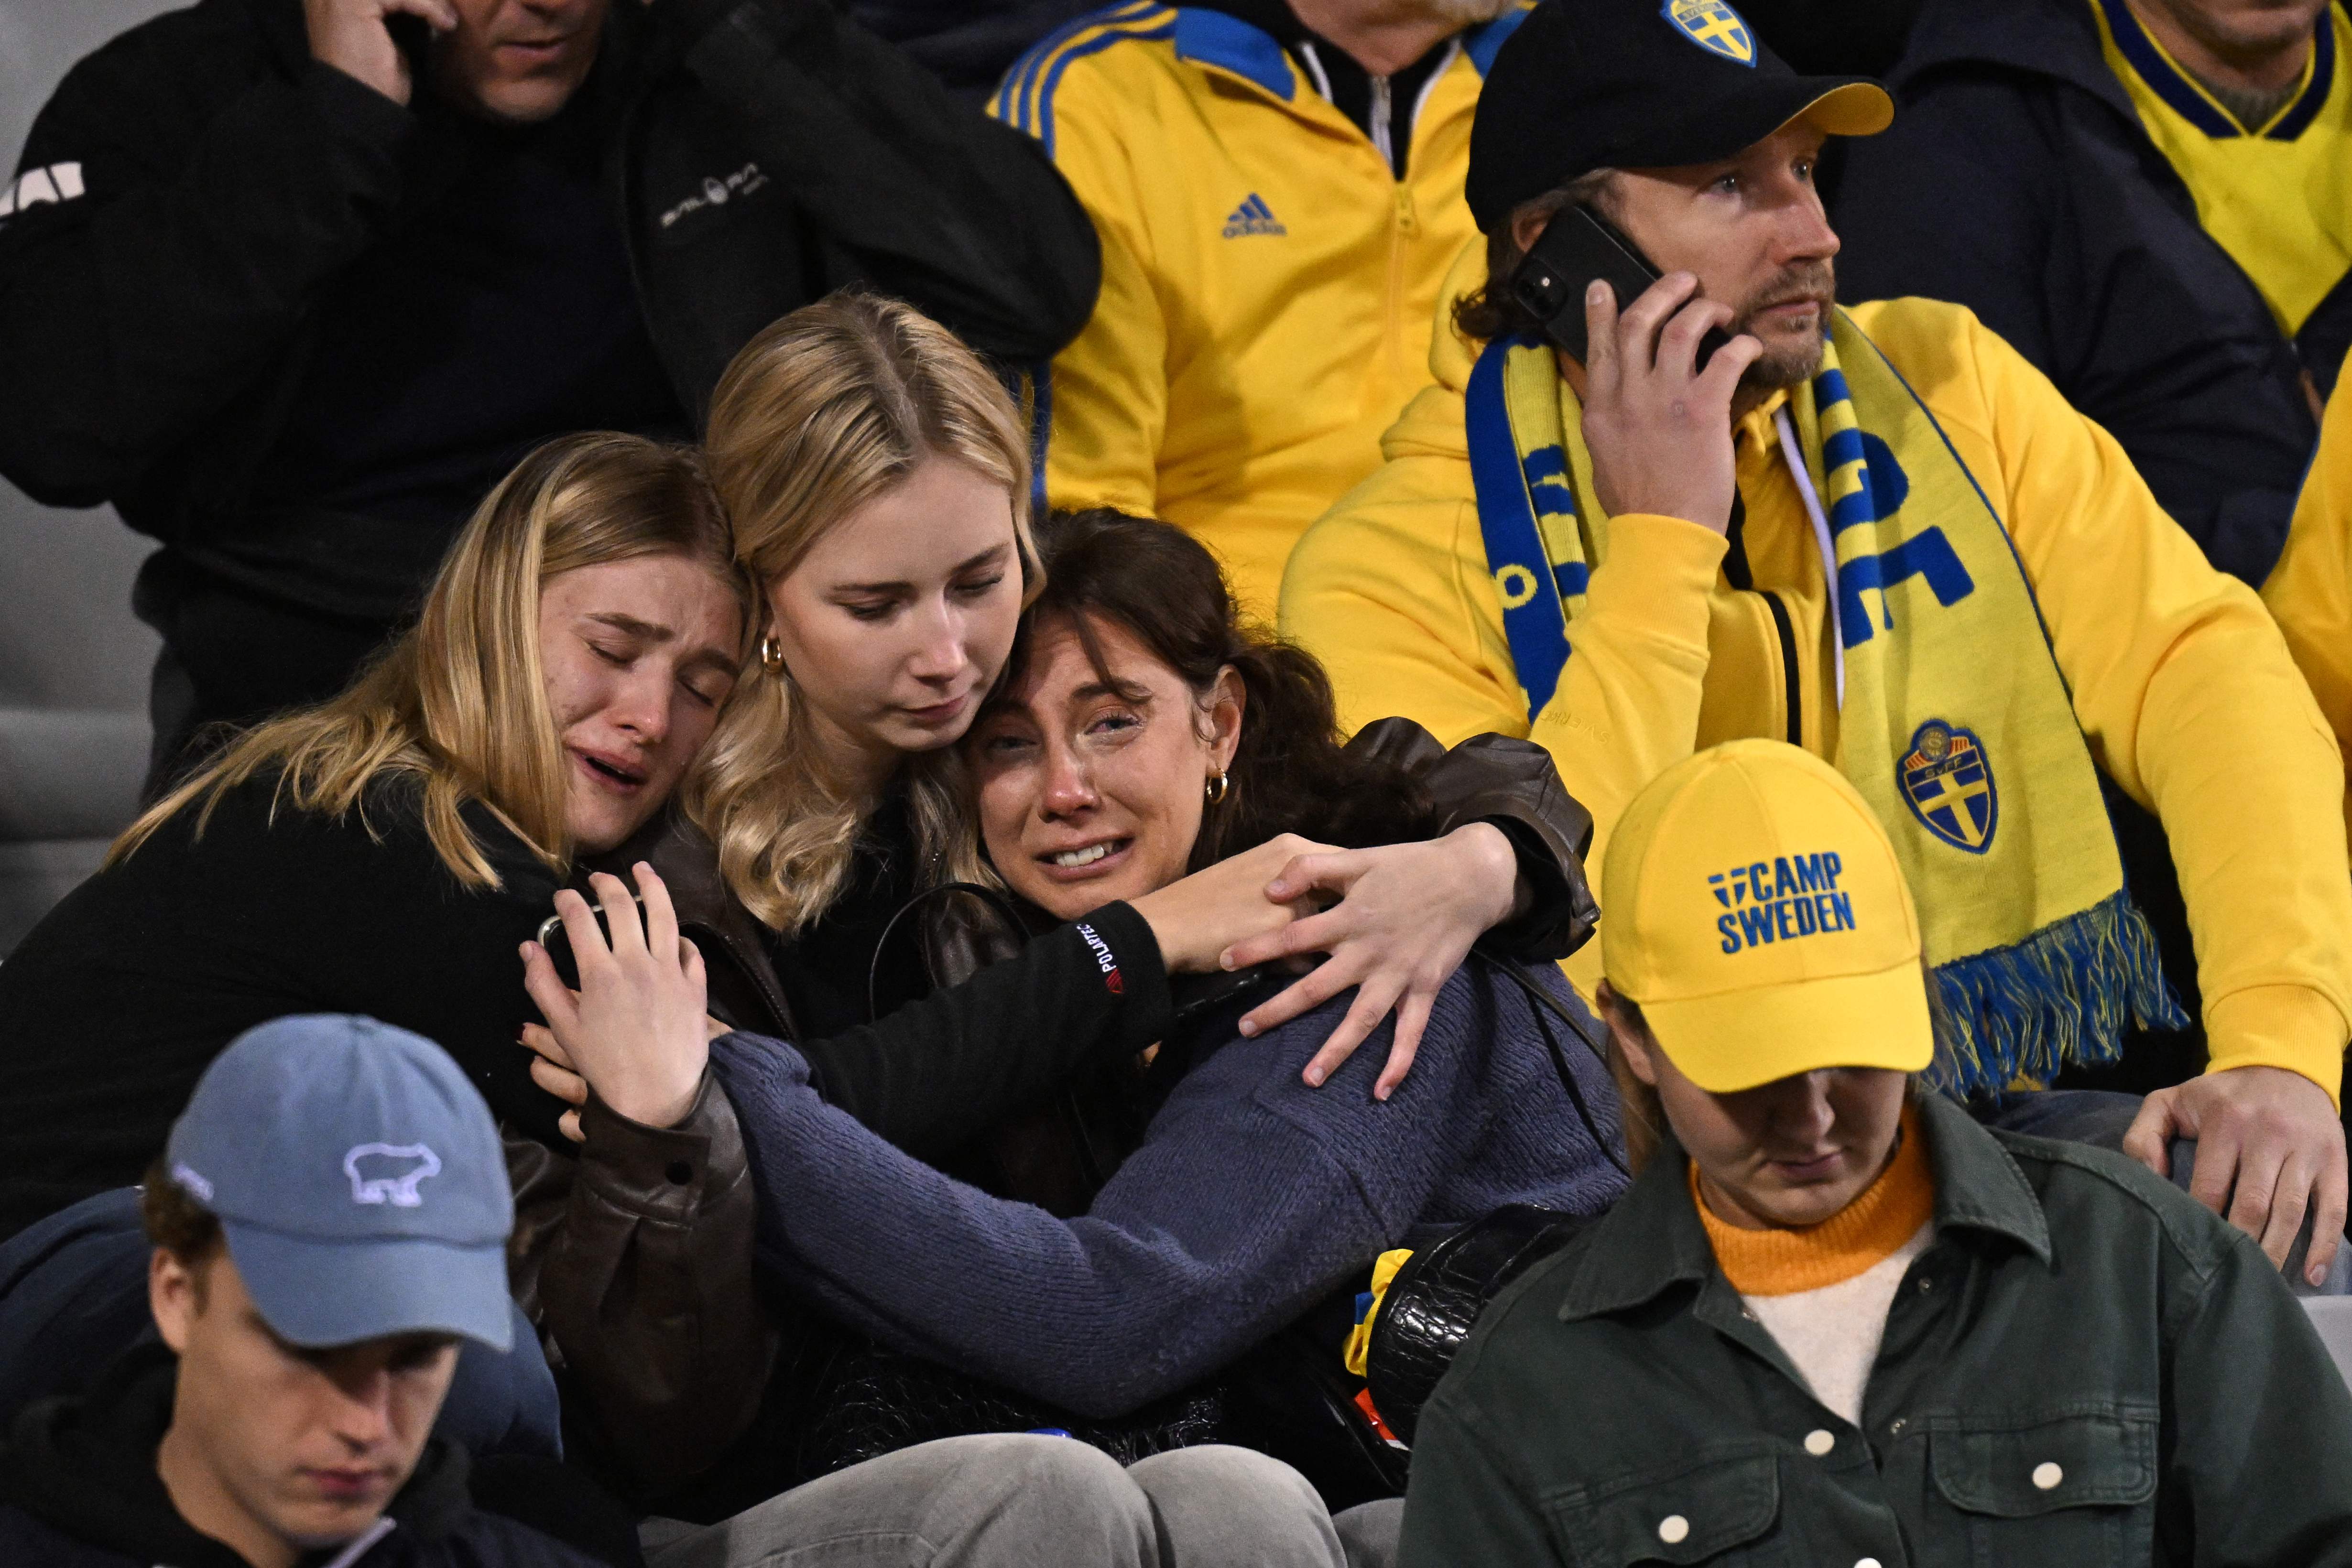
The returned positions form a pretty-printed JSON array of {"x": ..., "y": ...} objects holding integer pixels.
[{"x": 1290, "y": 772}]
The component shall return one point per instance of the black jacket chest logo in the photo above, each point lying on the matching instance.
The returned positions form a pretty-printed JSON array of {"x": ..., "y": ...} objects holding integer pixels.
[{"x": 717, "y": 191}]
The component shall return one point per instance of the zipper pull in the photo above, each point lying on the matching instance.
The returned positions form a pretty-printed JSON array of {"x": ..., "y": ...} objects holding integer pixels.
[{"x": 1408, "y": 219}]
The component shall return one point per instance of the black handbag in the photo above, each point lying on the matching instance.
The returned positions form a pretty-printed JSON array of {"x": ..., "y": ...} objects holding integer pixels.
[{"x": 1434, "y": 1300}]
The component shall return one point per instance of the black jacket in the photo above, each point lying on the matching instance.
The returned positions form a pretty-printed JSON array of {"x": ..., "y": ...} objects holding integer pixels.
[
  {"x": 79, "y": 1490},
  {"x": 113, "y": 1006},
  {"x": 2017, "y": 181},
  {"x": 762, "y": 153}
]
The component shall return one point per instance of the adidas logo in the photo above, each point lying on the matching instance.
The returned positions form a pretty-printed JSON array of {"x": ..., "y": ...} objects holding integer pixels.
[{"x": 1253, "y": 217}]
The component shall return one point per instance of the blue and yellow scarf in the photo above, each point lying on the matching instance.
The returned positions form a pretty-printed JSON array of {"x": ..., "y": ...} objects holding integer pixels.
[{"x": 1955, "y": 723}]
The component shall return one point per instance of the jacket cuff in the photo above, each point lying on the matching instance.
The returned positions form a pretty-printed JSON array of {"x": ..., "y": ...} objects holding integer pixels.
[
  {"x": 2291, "y": 1027},
  {"x": 660, "y": 1173},
  {"x": 1136, "y": 973},
  {"x": 1660, "y": 570}
]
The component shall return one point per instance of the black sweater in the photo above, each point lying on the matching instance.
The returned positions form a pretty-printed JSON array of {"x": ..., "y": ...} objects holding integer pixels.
[
  {"x": 79, "y": 1489},
  {"x": 114, "y": 1004}
]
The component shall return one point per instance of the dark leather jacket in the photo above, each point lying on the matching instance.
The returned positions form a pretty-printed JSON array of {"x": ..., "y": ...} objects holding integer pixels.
[{"x": 635, "y": 1259}]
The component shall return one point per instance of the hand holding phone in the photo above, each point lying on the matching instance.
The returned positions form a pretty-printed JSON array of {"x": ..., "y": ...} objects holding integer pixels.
[
  {"x": 636, "y": 1030},
  {"x": 377, "y": 42},
  {"x": 1576, "y": 247},
  {"x": 1660, "y": 371}
]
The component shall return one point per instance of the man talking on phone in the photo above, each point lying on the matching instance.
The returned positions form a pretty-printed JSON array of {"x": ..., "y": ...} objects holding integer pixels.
[
  {"x": 1879, "y": 534},
  {"x": 294, "y": 282}
]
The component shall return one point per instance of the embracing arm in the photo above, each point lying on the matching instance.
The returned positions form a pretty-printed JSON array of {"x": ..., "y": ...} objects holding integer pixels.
[
  {"x": 940, "y": 1069},
  {"x": 635, "y": 1259},
  {"x": 1231, "y": 1219},
  {"x": 1390, "y": 593},
  {"x": 960, "y": 216},
  {"x": 639, "y": 1256},
  {"x": 1513, "y": 785}
]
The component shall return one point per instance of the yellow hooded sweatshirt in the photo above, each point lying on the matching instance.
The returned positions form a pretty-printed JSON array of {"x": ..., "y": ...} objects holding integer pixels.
[
  {"x": 2182, "y": 685},
  {"x": 2310, "y": 588}
]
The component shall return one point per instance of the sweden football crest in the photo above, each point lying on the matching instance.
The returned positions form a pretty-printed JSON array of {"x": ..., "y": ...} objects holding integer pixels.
[
  {"x": 1713, "y": 26},
  {"x": 1949, "y": 786}
]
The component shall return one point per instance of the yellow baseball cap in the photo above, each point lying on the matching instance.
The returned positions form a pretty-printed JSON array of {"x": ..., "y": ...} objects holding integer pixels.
[{"x": 1755, "y": 911}]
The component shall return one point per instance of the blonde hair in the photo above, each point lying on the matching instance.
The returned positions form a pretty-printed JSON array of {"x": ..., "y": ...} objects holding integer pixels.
[
  {"x": 459, "y": 702},
  {"x": 826, "y": 409}
]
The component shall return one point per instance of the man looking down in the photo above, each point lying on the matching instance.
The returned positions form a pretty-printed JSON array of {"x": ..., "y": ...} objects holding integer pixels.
[
  {"x": 1877, "y": 534},
  {"x": 1835, "y": 1322},
  {"x": 329, "y": 1218}
]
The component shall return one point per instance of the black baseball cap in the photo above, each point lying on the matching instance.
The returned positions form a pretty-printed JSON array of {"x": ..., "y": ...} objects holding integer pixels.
[{"x": 1640, "y": 84}]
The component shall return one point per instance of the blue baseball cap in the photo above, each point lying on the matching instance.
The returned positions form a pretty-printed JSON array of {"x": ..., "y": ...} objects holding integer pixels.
[{"x": 358, "y": 1178}]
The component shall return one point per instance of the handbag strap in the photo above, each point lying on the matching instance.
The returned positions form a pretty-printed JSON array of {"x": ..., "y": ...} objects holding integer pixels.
[{"x": 1546, "y": 1002}]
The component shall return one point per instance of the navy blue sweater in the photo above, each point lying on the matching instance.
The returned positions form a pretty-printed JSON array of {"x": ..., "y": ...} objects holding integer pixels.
[{"x": 1251, "y": 1197}]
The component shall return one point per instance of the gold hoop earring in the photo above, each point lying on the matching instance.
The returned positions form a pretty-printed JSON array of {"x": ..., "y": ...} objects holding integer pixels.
[
  {"x": 1216, "y": 789},
  {"x": 772, "y": 657}
]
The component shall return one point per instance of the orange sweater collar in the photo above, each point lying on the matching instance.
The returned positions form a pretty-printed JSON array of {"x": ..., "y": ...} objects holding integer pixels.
[{"x": 1868, "y": 1232}]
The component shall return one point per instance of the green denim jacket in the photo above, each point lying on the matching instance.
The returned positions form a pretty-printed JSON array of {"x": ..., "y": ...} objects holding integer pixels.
[{"x": 2084, "y": 1368}]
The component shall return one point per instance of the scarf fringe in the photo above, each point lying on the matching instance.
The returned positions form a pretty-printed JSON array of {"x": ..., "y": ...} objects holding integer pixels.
[{"x": 2062, "y": 996}]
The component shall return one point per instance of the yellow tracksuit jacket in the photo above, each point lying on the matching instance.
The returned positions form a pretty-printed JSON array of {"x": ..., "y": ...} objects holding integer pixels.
[
  {"x": 1268, "y": 281},
  {"x": 2180, "y": 681},
  {"x": 2310, "y": 588}
]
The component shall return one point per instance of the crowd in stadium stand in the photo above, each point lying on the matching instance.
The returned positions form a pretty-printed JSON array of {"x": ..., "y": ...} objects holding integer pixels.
[{"x": 1338, "y": 782}]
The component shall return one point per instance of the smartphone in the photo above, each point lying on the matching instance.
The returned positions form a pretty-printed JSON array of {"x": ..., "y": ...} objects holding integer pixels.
[
  {"x": 413, "y": 36},
  {"x": 558, "y": 941},
  {"x": 1578, "y": 246}
]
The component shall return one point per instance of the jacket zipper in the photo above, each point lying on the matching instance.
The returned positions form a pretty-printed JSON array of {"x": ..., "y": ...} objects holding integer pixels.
[{"x": 1791, "y": 687}]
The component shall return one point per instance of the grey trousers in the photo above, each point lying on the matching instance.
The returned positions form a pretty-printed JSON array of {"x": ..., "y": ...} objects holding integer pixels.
[{"x": 1018, "y": 1501}]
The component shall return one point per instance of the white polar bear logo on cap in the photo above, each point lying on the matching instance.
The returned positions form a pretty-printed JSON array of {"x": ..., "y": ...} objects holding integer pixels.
[{"x": 388, "y": 1173}]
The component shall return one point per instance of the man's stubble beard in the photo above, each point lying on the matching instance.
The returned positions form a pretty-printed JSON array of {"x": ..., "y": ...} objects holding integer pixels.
[{"x": 1786, "y": 363}]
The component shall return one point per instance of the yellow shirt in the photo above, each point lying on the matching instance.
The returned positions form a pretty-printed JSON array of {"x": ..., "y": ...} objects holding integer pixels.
[
  {"x": 2277, "y": 196},
  {"x": 2310, "y": 590},
  {"x": 2183, "y": 686},
  {"x": 1267, "y": 280}
]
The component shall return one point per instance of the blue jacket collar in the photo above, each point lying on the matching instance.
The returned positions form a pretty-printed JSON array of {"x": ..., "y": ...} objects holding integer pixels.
[{"x": 1214, "y": 38}]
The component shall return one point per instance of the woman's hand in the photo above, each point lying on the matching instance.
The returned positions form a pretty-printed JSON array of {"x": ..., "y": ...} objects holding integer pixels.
[
  {"x": 1406, "y": 918},
  {"x": 637, "y": 1031},
  {"x": 1198, "y": 918},
  {"x": 553, "y": 1072}
]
